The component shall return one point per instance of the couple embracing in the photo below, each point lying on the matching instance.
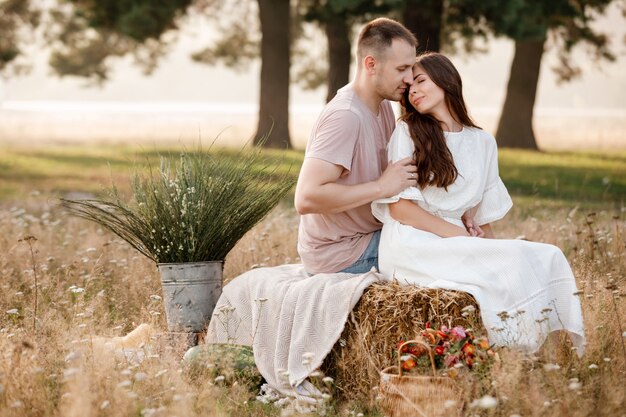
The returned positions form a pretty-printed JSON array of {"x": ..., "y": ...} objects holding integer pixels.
[{"x": 415, "y": 200}]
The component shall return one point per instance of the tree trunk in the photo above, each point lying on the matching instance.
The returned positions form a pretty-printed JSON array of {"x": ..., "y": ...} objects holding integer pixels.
[
  {"x": 275, "y": 56},
  {"x": 339, "y": 55},
  {"x": 423, "y": 18},
  {"x": 515, "y": 128}
]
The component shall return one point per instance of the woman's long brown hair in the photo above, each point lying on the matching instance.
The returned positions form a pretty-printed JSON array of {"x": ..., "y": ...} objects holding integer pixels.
[{"x": 435, "y": 165}]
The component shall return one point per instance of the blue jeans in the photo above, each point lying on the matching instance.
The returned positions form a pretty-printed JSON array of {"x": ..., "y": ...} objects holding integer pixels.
[{"x": 368, "y": 259}]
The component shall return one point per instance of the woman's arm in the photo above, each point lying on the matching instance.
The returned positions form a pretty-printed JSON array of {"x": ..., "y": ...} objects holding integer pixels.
[
  {"x": 488, "y": 231},
  {"x": 409, "y": 213}
]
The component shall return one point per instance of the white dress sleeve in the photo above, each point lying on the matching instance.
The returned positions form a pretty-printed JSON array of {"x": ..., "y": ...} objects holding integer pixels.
[
  {"x": 496, "y": 201},
  {"x": 400, "y": 146}
]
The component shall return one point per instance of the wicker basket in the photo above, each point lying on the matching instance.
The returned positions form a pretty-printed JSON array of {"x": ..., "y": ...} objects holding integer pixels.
[{"x": 418, "y": 396}]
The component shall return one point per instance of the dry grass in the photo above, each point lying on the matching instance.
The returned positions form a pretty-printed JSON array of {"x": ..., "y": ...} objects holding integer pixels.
[{"x": 89, "y": 283}]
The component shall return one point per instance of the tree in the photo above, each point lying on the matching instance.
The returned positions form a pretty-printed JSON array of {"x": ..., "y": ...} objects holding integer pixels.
[
  {"x": 93, "y": 32},
  {"x": 273, "y": 125},
  {"x": 425, "y": 19},
  {"x": 530, "y": 23}
]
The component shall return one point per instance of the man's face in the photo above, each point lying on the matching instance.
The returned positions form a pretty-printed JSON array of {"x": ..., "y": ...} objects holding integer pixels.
[{"x": 394, "y": 73}]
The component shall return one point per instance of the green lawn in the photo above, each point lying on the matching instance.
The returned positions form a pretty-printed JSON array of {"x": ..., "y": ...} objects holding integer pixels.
[{"x": 559, "y": 179}]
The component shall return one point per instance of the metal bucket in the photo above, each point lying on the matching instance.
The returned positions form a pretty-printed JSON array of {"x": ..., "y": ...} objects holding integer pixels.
[{"x": 190, "y": 292}]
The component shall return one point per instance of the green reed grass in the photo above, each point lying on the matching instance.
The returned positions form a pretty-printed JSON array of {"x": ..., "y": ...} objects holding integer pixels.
[{"x": 193, "y": 208}]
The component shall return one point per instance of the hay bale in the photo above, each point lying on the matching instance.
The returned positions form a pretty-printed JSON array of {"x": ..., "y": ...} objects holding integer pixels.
[{"x": 387, "y": 313}]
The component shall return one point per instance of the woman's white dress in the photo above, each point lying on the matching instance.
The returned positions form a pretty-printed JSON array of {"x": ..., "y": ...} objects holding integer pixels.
[{"x": 525, "y": 289}]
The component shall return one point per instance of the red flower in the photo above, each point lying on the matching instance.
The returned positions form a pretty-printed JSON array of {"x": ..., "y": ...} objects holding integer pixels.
[
  {"x": 439, "y": 350},
  {"x": 405, "y": 348},
  {"x": 416, "y": 350}
]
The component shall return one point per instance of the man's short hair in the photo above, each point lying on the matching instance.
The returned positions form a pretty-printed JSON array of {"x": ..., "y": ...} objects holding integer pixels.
[{"x": 376, "y": 37}]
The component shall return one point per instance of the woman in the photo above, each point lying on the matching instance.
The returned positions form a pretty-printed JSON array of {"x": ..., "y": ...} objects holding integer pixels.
[{"x": 525, "y": 289}]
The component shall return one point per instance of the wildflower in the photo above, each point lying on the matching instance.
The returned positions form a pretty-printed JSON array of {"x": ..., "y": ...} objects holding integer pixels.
[
  {"x": 140, "y": 376},
  {"x": 72, "y": 356},
  {"x": 468, "y": 309},
  {"x": 125, "y": 384},
  {"x": 104, "y": 404},
  {"x": 13, "y": 312},
  {"x": 606, "y": 359},
  {"x": 70, "y": 372},
  {"x": 449, "y": 404},
  {"x": 574, "y": 384},
  {"x": 76, "y": 290},
  {"x": 220, "y": 378},
  {"x": 327, "y": 380},
  {"x": 593, "y": 366},
  {"x": 551, "y": 367},
  {"x": 486, "y": 402}
]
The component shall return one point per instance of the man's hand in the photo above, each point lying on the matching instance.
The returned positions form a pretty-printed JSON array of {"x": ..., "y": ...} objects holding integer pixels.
[
  {"x": 398, "y": 176},
  {"x": 472, "y": 227}
]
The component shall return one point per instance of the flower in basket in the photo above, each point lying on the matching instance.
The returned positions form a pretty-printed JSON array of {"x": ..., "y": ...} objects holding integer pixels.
[{"x": 453, "y": 349}]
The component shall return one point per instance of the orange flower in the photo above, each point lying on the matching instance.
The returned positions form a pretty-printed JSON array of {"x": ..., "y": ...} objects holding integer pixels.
[
  {"x": 430, "y": 337},
  {"x": 468, "y": 349},
  {"x": 409, "y": 364},
  {"x": 483, "y": 343}
]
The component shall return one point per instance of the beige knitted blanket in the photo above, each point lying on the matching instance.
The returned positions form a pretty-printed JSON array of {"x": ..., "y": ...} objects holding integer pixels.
[{"x": 291, "y": 320}]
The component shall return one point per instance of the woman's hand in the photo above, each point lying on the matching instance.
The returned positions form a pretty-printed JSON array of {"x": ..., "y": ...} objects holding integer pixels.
[{"x": 471, "y": 226}]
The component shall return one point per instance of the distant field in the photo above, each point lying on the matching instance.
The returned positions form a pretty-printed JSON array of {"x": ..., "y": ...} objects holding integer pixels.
[{"x": 557, "y": 178}]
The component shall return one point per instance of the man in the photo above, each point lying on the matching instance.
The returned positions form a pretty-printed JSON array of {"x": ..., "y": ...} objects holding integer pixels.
[{"x": 345, "y": 166}]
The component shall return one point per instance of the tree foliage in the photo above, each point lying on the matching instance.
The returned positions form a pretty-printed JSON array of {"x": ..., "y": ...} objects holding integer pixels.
[
  {"x": 17, "y": 19},
  {"x": 87, "y": 34}
]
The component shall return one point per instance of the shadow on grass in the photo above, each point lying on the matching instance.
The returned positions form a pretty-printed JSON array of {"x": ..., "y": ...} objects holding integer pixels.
[{"x": 567, "y": 177}]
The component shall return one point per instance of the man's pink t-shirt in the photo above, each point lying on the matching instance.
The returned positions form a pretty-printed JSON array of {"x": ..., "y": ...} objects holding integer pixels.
[{"x": 348, "y": 134}]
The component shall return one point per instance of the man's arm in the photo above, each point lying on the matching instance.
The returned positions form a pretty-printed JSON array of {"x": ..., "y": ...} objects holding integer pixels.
[{"x": 317, "y": 190}]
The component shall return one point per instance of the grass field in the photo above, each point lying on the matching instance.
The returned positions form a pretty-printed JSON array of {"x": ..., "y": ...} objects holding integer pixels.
[
  {"x": 562, "y": 178},
  {"x": 72, "y": 280}
]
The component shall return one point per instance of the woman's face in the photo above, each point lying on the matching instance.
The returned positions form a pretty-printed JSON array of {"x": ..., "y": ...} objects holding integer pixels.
[{"x": 426, "y": 96}]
